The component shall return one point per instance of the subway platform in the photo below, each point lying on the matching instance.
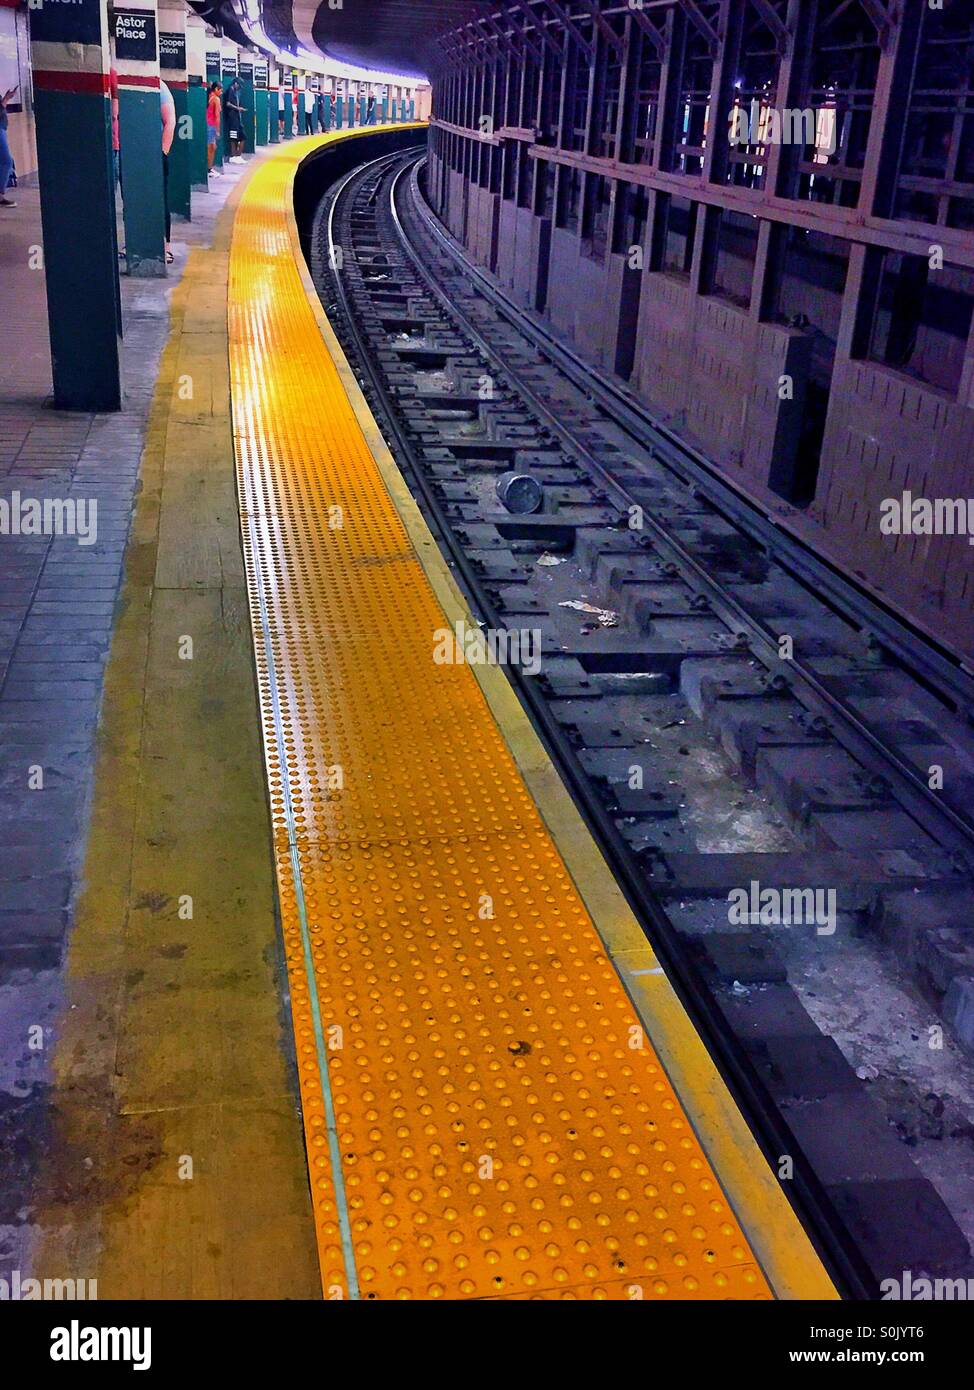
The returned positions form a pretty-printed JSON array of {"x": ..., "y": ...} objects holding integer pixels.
[{"x": 315, "y": 983}]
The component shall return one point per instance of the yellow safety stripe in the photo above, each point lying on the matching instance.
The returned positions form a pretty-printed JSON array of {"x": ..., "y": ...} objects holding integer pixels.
[{"x": 484, "y": 1113}]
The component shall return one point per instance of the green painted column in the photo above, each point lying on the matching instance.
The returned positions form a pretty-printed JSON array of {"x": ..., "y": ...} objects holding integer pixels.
[
  {"x": 273, "y": 102},
  {"x": 180, "y": 198},
  {"x": 288, "y": 113},
  {"x": 363, "y": 107},
  {"x": 228, "y": 72},
  {"x": 70, "y": 63},
  {"x": 412, "y": 108},
  {"x": 140, "y": 138},
  {"x": 196, "y": 98},
  {"x": 261, "y": 103},
  {"x": 196, "y": 108},
  {"x": 299, "y": 110},
  {"x": 213, "y": 57},
  {"x": 173, "y": 71},
  {"x": 385, "y": 109},
  {"x": 329, "y": 110},
  {"x": 245, "y": 69},
  {"x": 339, "y": 112}
]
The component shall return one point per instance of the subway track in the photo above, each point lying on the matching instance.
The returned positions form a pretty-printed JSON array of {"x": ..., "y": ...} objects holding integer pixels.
[{"x": 722, "y": 719}]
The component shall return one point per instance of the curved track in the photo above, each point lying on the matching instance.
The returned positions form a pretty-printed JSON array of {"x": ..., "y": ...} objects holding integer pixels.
[{"x": 690, "y": 617}]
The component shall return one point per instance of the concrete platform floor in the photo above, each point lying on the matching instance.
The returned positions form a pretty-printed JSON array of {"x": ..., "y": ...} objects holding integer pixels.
[{"x": 100, "y": 864}]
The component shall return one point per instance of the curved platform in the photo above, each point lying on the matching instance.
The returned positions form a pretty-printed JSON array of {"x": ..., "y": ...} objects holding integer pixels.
[{"x": 501, "y": 1094}]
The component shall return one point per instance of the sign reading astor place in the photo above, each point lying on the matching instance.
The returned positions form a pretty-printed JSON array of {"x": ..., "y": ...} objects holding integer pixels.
[
  {"x": 260, "y": 76},
  {"x": 229, "y": 65},
  {"x": 172, "y": 50},
  {"x": 135, "y": 35}
]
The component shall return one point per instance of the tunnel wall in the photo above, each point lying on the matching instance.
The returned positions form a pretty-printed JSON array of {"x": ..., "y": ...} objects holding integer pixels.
[{"x": 801, "y": 314}]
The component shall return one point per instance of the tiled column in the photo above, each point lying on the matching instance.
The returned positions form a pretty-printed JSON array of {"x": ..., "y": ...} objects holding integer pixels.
[
  {"x": 196, "y": 98},
  {"x": 228, "y": 71},
  {"x": 70, "y": 62},
  {"x": 261, "y": 107},
  {"x": 287, "y": 88},
  {"x": 140, "y": 137},
  {"x": 173, "y": 71},
  {"x": 245, "y": 70},
  {"x": 273, "y": 102},
  {"x": 214, "y": 58},
  {"x": 299, "y": 102}
]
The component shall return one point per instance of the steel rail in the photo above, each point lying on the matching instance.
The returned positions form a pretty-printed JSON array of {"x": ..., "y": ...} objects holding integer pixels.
[
  {"x": 932, "y": 812},
  {"x": 934, "y": 664}
]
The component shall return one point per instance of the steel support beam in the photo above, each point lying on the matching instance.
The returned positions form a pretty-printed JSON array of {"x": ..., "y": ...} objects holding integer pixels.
[
  {"x": 547, "y": 39},
  {"x": 773, "y": 21},
  {"x": 603, "y": 25},
  {"x": 515, "y": 17},
  {"x": 651, "y": 32},
  {"x": 699, "y": 21},
  {"x": 881, "y": 18},
  {"x": 562, "y": 15}
]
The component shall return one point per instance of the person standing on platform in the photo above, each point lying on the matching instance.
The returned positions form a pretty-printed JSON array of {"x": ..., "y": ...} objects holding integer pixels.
[
  {"x": 309, "y": 114},
  {"x": 213, "y": 112},
  {"x": 6, "y": 158},
  {"x": 168, "y": 111},
  {"x": 233, "y": 113}
]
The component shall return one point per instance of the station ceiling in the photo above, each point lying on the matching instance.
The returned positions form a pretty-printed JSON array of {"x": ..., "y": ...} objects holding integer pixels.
[{"x": 391, "y": 35}]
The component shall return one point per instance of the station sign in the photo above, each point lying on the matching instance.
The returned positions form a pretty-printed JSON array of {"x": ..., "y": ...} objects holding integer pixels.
[
  {"x": 172, "y": 50},
  {"x": 287, "y": 80},
  {"x": 228, "y": 66},
  {"x": 260, "y": 76},
  {"x": 135, "y": 35},
  {"x": 77, "y": 22},
  {"x": 246, "y": 71}
]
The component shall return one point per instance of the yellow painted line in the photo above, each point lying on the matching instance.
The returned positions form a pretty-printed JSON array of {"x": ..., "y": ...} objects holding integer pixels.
[
  {"x": 485, "y": 1115},
  {"x": 175, "y": 1165}
]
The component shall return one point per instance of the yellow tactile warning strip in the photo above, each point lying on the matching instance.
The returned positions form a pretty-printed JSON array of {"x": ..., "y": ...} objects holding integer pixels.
[{"x": 484, "y": 1113}]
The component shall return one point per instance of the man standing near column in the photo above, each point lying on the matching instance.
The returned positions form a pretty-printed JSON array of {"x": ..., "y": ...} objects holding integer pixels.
[
  {"x": 168, "y": 135},
  {"x": 233, "y": 115}
]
